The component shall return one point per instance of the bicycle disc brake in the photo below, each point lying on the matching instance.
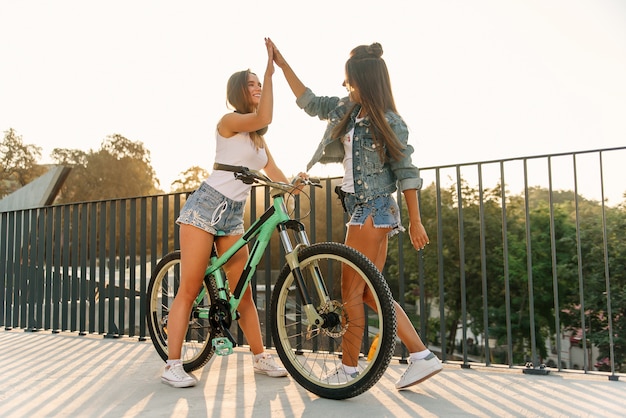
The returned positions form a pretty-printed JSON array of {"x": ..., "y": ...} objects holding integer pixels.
[{"x": 334, "y": 315}]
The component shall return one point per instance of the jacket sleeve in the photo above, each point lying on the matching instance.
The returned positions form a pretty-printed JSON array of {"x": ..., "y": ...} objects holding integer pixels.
[
  {"x": 407, "y": 174},
  {"x": 319, "y": 106}
]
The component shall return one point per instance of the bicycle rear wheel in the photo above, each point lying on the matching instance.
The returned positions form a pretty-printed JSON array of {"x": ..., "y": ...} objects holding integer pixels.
[
  {"x": 197, "y": 347},
  {"x": 311, "y": 353}
]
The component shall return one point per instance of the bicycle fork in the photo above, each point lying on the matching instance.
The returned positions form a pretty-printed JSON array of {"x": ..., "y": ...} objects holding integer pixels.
[
  {"x": 220, "y": 313},
  {"x": 314, "y": 319}
]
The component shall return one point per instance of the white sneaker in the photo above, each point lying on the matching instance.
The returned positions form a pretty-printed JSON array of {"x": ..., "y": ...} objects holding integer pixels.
[
  {"x": 266, "y": 365},
  {"x": 176, "y": 376},
  {"x": 339, "y": 376},
  {"x": 419, "y": 370}
]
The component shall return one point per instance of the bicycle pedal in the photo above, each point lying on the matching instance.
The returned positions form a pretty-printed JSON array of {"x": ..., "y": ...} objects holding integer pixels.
[{"x": 223, "y": 346}]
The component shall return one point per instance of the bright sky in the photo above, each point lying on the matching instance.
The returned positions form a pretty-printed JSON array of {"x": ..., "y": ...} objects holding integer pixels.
[{"x": 475, "y": 80}]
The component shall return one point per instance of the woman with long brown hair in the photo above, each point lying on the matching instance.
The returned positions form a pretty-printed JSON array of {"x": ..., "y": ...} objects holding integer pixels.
[
  {"x": 214, "y": 214},
  {"x": 366, "y": 134}
]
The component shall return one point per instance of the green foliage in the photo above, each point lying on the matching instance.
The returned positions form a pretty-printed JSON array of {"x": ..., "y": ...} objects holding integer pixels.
[
  {"x": 189, "y": 179},
  {"x": 120, "y": 168},
  {"x": 551, "y": 233},
  {"x": 601, "y": 258}
]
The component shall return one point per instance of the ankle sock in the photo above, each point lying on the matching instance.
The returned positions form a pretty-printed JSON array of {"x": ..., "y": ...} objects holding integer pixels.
[
  {"x": 170, "y": 363},
  {"x": 349, "y": 369},
  {"x": 420, "y": 355}
]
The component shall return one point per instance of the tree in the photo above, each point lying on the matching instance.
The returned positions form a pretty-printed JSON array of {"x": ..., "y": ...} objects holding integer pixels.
[
  {"x": 120, "y": 169},
  {"x": 189, "y": 179},
  {"x": 18, "y": 163},
  {"x": 541, "y": 220},
  {"x": 593, "y": 280}
]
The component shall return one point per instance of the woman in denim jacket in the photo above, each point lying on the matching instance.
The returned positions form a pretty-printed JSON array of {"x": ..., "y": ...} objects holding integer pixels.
[{"x": 367, "y": 135}]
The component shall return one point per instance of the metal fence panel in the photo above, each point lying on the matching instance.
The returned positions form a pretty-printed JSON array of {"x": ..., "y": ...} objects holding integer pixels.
[{"x": 84, "y": 267}]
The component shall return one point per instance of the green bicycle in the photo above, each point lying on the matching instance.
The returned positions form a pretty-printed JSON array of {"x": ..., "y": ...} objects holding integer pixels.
[{"x": 308, "y": 319}]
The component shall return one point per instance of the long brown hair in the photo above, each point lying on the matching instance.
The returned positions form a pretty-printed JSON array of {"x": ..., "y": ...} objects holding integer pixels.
[
  {"x": 237, "y": 98},
  {"x": 367, "y": 72}
]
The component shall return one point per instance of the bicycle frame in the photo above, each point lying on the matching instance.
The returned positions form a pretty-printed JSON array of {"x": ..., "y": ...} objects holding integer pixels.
[
  {"x": 275, "y": 217},
  {"x": 310, "y": 329}
]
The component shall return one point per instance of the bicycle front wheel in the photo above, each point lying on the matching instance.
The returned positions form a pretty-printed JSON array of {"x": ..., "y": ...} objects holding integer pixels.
[
  {"x": 197, "y": 347},
  {"x": 359, "y": 322}
]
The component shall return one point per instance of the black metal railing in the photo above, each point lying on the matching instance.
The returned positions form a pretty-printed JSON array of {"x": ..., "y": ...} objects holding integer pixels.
[{"x": 526, "y": 262}]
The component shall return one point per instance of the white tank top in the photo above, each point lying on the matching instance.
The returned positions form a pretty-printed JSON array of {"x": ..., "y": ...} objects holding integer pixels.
[
  {"x": 236, "y": 150},
  {"x": 347, "y": 184}
]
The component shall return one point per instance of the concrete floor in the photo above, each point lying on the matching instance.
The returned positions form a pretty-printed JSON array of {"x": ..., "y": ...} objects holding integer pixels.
[{"x": 66, "y": 375}]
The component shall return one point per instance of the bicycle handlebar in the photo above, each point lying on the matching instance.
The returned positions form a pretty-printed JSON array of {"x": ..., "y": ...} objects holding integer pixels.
[{"x": 249, "y": 176}]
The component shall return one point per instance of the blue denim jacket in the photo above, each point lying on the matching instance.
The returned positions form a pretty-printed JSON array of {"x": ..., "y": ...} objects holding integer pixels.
[{"x": 372, "y": 177}]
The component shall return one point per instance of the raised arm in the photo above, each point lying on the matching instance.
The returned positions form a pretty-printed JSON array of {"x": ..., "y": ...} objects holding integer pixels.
[
  {"x": 266, "y": 106},
  {"x": 234, "y": 122},
  {"x": 297, "y": 87}
]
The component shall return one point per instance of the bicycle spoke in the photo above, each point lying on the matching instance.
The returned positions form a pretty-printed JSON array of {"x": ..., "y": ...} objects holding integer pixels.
[{"x": 197, "y": 346}]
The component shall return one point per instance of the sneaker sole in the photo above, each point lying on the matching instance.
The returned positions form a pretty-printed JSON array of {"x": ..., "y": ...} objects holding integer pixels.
[
  {"x": 272, "y": 374},
  {"x": 431, "y": 374},
  {"x": 178, "y": 384}
]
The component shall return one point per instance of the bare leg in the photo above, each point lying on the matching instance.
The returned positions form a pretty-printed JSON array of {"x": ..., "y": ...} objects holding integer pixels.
[
  {"x": 195, "y": 250},
  {"x": 352, "y": 288},
  {"x": 249, "y": 315},
  {"x": 372, "y": 242}
]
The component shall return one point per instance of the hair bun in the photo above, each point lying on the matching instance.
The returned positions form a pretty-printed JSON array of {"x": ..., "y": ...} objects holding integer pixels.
[{"x": 375, "y": 49}]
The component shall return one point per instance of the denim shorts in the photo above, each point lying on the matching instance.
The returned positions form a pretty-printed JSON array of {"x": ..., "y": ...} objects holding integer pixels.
[
  {"x": 211, "y": 211},
  {"x": 384, "y": 211}
]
